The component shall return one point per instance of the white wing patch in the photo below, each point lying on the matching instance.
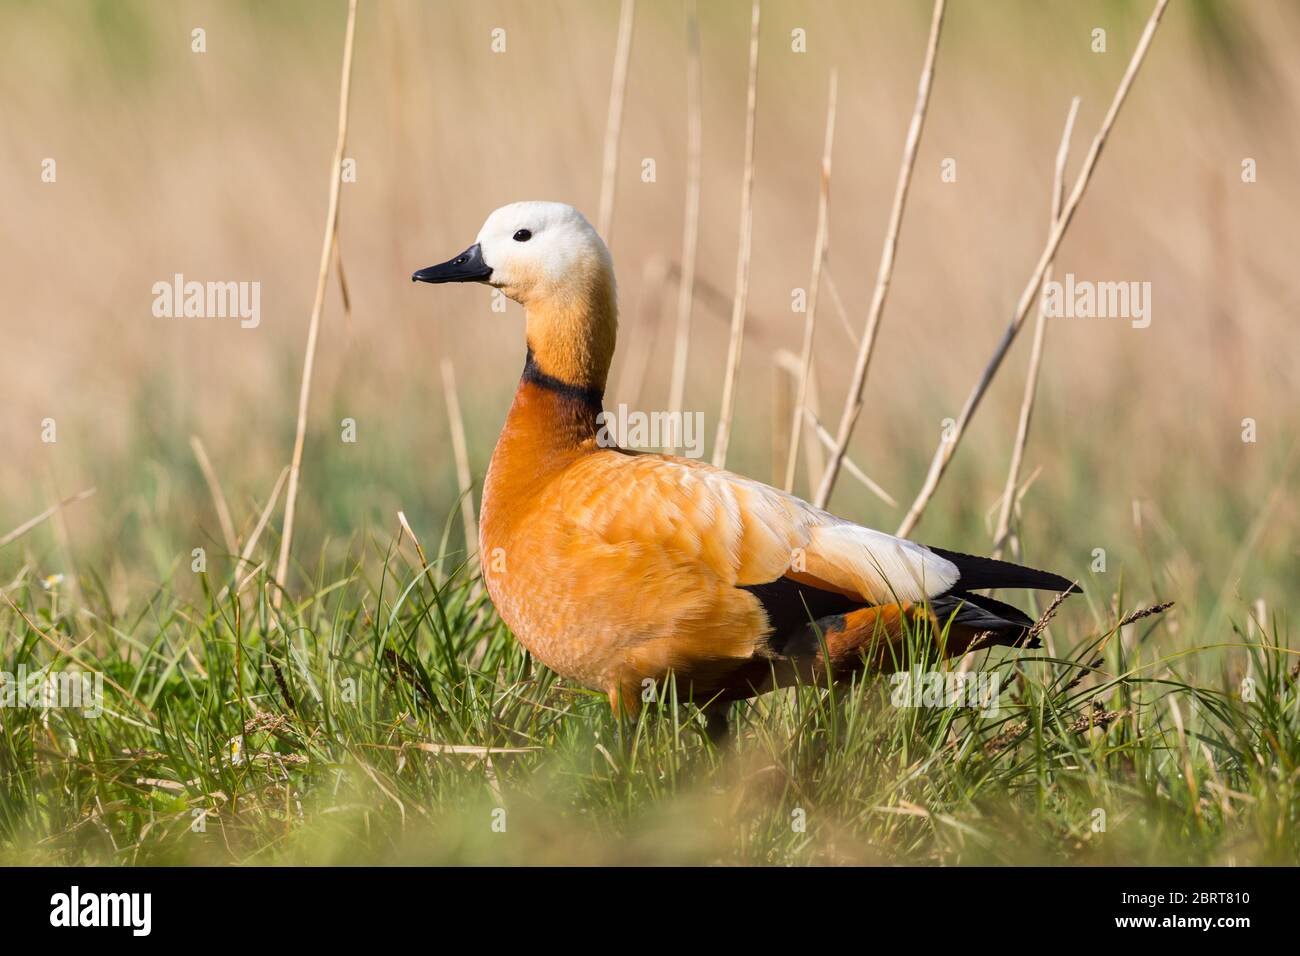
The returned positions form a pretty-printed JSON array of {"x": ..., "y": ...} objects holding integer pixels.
[{"x": 880, "y": 567}]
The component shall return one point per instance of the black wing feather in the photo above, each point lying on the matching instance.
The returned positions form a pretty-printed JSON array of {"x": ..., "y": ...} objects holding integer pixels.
[
  {"x": 982, "y": 613},
  {"x": 977, "y": 573}
]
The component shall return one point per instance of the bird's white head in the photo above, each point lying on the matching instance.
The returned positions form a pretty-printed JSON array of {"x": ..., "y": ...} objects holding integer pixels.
[
  {"x": 531, "y": 251},
  {"x": 549, "y": 259}
]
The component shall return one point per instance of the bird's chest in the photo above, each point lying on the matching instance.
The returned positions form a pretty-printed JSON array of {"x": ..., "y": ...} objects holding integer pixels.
[
  {"x": 552, "y": 600},
  {"x": 553, "y": 589}
]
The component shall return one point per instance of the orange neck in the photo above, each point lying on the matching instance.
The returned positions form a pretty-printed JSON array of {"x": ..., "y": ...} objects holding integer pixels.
[
  {"x": 549, "y": 419},
  {"x": 570, "y": 404},
  {"x": 572, "y": 330},
  {"x": 552, "y": 421},
  {"x": 550, "y": 424}
]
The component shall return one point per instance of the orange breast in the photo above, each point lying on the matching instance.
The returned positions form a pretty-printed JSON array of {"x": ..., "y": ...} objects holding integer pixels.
[{"x": 585, "y": 562}]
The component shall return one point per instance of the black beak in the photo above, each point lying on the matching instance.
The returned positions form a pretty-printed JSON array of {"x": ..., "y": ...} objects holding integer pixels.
[{"x": 466, "y": 267}]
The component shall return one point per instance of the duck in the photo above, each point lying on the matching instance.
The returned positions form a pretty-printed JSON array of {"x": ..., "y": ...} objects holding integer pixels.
[{"x": 620, "y": 568}]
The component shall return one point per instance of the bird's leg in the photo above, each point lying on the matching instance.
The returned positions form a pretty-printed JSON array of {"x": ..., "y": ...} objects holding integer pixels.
[
  {"x": 716, "y": 723},
  {"x": 624, "y": 699},
  {"x": 625, "y": 703}
]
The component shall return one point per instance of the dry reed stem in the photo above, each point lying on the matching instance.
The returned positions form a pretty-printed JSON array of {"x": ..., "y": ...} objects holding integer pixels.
[
  {"x": 853, "y": 401},
  {"x": 1036, "y": 351},
  {"x": 814, "y": 284},
  {"x": 262, "y": 521},
  {"x": 644, "y": 332},
  {"x": 718, "y": 304},
  {"x": 313, "y": 327},
  {"x": 460, "y": 451},
  {"x": 828, "y": 440},
  {"x": 64, "y": 537},
  {"x": 741, "y": 300},
  {"x": 786, "y": 366},
  {"x": 45, "y": 515},
  {"x": 406, "y": 527},
  {"x": 1189, "y": 774},
  {"x": 814, "y": 451},
  {"x": 1021, "y": 489},
  {"x": 344, "y": 294},
  {"x": 947, "y": 446},
  {"x": 691, "y": 220},
  {"x": 841, "y": 313},
  {"x": 614, "y": 119},
  {"x": 264, "y": 517},
  {"x": 239, "y": 588},
  {"x": 218, "y": 496},
  {"x": 785, "y": 381},
  {"x": 470, "y": 750}
]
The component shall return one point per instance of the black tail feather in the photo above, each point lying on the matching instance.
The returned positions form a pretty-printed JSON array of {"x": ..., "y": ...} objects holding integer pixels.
[{"x": 978, "y": 573}]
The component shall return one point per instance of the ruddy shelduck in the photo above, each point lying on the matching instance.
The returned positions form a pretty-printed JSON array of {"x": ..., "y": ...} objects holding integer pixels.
[{"x": 616, "y": 568}]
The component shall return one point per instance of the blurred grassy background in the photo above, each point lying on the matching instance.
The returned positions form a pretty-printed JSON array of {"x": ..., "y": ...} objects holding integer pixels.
[{"x": 216, "y": 165}]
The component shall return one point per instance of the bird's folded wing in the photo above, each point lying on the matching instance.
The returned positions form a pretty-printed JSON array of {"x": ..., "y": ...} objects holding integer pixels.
[{"x": 744, "y": 532}]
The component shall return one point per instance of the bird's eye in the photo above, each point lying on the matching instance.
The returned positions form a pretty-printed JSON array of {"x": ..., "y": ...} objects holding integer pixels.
[{"x": 523, "y": 235}]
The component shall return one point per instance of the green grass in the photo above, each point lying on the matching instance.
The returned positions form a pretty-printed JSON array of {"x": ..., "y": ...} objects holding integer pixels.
[{"x": 347, "y": 697}]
